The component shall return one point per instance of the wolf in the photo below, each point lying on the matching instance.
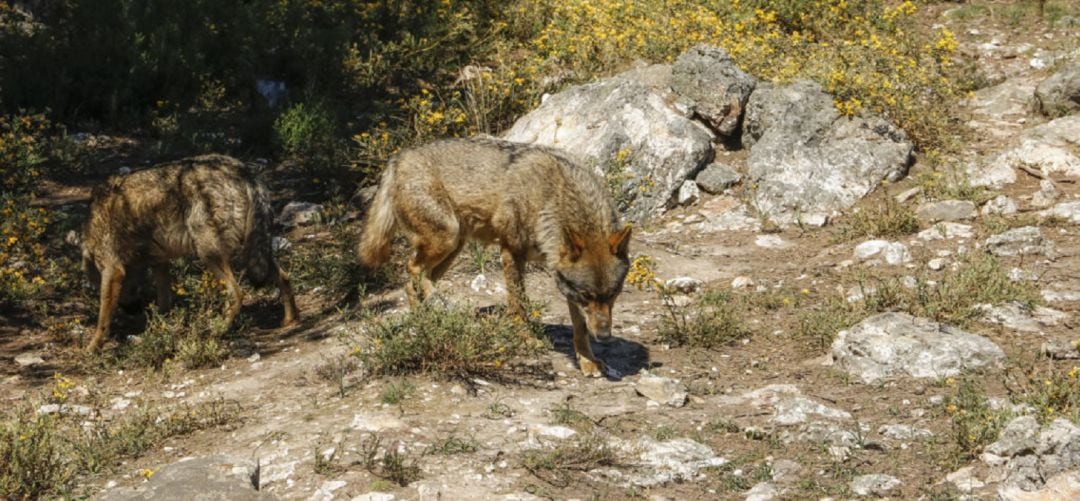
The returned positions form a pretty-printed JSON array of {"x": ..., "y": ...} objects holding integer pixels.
[
  {"x": 209, "y": 206},
  {"x": 534, "y": 202}
]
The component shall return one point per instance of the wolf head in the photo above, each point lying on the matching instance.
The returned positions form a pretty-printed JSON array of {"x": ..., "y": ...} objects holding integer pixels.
[{"x": 590, "y": 273}]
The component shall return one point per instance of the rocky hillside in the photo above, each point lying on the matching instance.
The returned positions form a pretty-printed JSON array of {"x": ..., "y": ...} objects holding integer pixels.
[{"x": 820, "y": 306}]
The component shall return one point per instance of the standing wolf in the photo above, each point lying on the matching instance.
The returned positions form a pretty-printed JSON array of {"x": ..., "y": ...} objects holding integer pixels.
[
  {"x": 210, "y": 206},
  {"x": 532, "y": 201}
]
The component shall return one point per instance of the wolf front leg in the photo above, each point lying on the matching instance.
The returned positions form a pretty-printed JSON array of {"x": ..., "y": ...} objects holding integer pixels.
[
  {"x": 590, "y": 365},
  {"x": 514, "y": 274},
  {"x": 112, "y": 281}
]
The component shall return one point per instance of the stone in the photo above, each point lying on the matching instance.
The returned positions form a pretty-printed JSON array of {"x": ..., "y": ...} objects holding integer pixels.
[
  {"x": 742, "y": 283},
  {"x": 201, "y": 479},
  {"x": 1033, "y": 455},
  {"x": 1046, "y": 196},
  {"x": 785, "y": 470},
  {"x": 1025, "y": 241},
  {"x": 685, "y": 285},
  {"x": 1059, "y": 94},
  {"x": 677, "y": 459},
  {"x": 1061, "y": 350},
  {"x": 809, "y": 163},
  {"x": 709, "y": 78},
  {"x": 556, "y": 432},
  {"x": 688, "y": 193},
  {"x": 374, "y": 496},
  {"x": 1016, "y": 316},
  {"x": 937, "y": 264},
  {"x": 894, "y": 253},
  {"x": 300, "y": 214},
  {"x": 28, "y": 359},
  {"x": 892, "y": 344},
  {"x": 1057, "y": 488},
  {"x": 946, "y": 231},
  {"x": 904, "y": 432},
  {"x": 1069, "y": 211},
  {"x": 375, "y": 422},
  {"x": 715, "y": 178},
  {"x": 874, "y": 485},
  {"x": 763, "y": 491},
  {"x": 1017, "y": 436},
  {"x": 908, "y": 194},
  {"x": 1052, "y": 296},
  {"x": 965, "y": 480},
  {"x": 623, "y": 116},
  {"x": 1050, "y": 149},
  {"x": 946, "y": 210},
  {"x": 660, "y": 389},
  {"x": 786, "y": 404},
  {"x": 771, "y": 242},
  {"x": 1000, "y": 205}
]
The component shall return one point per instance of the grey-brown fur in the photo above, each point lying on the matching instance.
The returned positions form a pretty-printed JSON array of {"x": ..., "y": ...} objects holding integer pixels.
[
  {"x": 208, "y": 206},
  {"x": 534, "y": 202}
]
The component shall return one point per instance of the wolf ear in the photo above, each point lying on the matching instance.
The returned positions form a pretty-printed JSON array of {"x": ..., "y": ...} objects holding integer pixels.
[
  {"x": 620, "y": 241},
  {"x": 575, "y": 245}
]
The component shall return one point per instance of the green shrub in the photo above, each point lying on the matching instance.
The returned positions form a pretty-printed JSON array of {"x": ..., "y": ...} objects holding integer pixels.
[
  {"x": 306, "y": 133},
  {"x": 711, "y": 322}
]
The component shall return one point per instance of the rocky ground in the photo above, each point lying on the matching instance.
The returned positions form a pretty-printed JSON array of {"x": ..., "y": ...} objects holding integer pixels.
[{"x": 776, "y": 414}]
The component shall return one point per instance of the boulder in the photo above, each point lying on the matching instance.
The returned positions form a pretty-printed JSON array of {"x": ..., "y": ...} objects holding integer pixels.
[
  {"x": 625, "y": 117},
  {"x": 894, "y": 344},
  {"x": 206, "y": 478},
  {"x": 718, "y": 89},
  {"x": 807, "y": 162},
  {"x": 1059, "y": 94}
]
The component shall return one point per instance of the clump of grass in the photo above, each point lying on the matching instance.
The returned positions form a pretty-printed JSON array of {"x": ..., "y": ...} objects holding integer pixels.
[
  {"x": 452, "y": 445},
  {"x": 394, "y": 393},
  {"x": 713, "y": 321},
  {"x": 890, "y": 219},
  {"x": 448, "y": 340},
  {"x": 44, "y": 455},
  {"x": 337, "y": 371},
  {"x": 974, "y": 424},
  {"x": 819, "y": 324},
  {"x": 980, "y": 279},
  {"x": 391, "y": 464},
  {"x": 566, "y": 415},
  {"x": 951, "y": 185},
  {"x": 556, "y": 466}
]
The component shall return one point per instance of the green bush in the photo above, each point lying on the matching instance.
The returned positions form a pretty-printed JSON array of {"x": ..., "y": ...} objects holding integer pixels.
[{"x": 306, "y": 132}]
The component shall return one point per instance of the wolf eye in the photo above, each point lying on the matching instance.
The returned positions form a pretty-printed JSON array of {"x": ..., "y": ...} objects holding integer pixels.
[{"x": 567, "y": 288}]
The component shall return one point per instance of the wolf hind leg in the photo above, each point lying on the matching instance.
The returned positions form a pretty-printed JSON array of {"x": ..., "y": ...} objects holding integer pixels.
[
  {"x": 112, "y": 282},
  {"x": 288, "y": 301},
  {"x": 434, "y": 255},
  {"x": 163, "y": 284}
]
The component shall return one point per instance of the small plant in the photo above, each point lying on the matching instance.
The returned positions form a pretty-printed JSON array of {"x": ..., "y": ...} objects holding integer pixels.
[
  {"x": 449, "y": 340},
  {"x": 499, "y": 410},
  {"x": 566, "y": 415},
  {"x": 395, "y": 393},
  {"x": 890, "y": 219},
  {"x": 452, "y": 445},
  {"x": 974, "y": 424},
  {"x": 1053, "y": 389},
  {"x": 391, "y": 465},
  {"x": 712, "y": 322},
  {"x": 327, "y": 459},
  {"x": 664, "y": 432},
  {"x": 555, "y": 466},
  {"x": 306, "y": 132},
  {"x": 337, "y": 371}
]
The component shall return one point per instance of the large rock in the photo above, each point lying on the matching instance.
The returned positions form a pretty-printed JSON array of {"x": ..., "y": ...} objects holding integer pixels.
[
  {"x": 807, "y": 162},
  {"x": 200, "y": 479},
  {"x": 716, "y": 178},
  {"x": 1052, "y": 148},
  {"x": 874, "y": 485},
  {"x": 597, "y": 121},
  {"x": 1059, "y": 94},
  {"x": 718, "y": 89},
  {"x": 662, "y": 390},
  {"x": 888, "y": 345},
  {"x": 1031, "y": 454}
]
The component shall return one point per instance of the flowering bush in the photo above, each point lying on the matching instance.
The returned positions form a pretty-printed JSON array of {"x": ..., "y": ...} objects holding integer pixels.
[{"x": 22, "y": 253}]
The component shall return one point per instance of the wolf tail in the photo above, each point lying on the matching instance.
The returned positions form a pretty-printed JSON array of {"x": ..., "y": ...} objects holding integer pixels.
[
  {"x": 379, "y": 228},
  {"x": 260, "y": 267}
]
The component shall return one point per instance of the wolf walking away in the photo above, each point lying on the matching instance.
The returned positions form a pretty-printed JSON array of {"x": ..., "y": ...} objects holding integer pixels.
[
  {"x": 534, "y": 202},
  {"x": 210, "y": 206}
]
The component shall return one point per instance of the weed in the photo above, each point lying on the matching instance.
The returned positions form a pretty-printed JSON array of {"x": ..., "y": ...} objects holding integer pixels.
[
  {"x": 337, "y": 371},
  {"x": 1052, "y": 388},
  {"x": 974, "y": 424},
  {"x": 452, "y": 445},
  {"x": 566, "y": 415},
  {"x": 951, "y": 185},
  {"x": 890, "y": 219},
  {"x": 395, "y": 393},
  {"x": 391, "y": 465},
  {"x": 327, "y": 457},
  {"x": 664, "y": 432},
  {"x": 712, "y": 322},
  {"x": 556, "y": 465},
  {"x": 819, "y": 324},
  {"x": 499, "y": 410},
  {"x": 449, "y": 340}
]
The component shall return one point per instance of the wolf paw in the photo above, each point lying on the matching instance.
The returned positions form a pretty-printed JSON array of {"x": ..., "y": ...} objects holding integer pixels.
[{"x": 591, "y": 368}]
